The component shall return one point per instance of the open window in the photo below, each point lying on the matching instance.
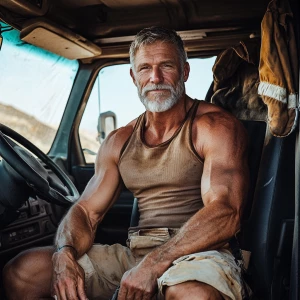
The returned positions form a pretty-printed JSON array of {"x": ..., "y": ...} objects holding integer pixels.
[{"x": 114, "y": 102}]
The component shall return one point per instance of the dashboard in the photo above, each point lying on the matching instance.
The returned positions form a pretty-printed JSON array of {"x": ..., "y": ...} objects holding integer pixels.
[{"x": 37, "y": 221}]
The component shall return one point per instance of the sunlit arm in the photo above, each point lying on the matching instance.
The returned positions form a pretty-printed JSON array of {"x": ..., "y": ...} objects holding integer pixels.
[{"x": 78, "y": 228}]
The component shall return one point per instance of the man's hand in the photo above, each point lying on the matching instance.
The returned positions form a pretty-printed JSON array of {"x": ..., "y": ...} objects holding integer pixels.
[
  {"x": 68, "y": 277},
  {"x": 139, "y": 283}
]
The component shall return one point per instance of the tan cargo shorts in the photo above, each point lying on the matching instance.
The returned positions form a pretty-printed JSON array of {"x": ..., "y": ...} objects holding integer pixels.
[{"x": 105, "y": 265}]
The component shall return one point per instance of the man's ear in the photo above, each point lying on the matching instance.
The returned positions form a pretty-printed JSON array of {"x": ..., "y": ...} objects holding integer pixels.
[
  {"x": 132, "y": 76},
  {"x": 186, "y": 71}
]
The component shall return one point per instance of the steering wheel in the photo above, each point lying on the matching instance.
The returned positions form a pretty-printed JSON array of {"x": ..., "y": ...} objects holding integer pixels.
[{"x": 48, "y": 181}]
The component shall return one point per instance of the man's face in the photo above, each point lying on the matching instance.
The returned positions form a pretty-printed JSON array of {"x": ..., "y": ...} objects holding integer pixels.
[{"x": 158, "y": 76}]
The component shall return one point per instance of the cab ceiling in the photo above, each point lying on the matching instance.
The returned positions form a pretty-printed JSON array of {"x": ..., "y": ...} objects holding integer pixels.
[
  {"x": 111, "y": 18},
  {"x": 110, "y": 3},
  {"x": 110, "y": 24}
]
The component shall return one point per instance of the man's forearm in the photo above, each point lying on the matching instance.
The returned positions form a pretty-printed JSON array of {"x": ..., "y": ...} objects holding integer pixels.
[
  {"x": 75, "y": 232},
  {"x": 210, "y": 228}
]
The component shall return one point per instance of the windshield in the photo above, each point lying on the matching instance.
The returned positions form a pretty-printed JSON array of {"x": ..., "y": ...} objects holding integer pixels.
[{"x": 35, "y": 85}]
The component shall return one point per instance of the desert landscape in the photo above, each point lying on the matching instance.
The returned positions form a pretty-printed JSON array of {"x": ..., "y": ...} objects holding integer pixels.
[{"x": 40, "y": 134}]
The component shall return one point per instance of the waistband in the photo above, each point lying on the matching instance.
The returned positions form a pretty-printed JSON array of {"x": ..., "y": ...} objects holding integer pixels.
[
  {"x": 143, "y": 241},
  {"x": 157, "y": 232}
]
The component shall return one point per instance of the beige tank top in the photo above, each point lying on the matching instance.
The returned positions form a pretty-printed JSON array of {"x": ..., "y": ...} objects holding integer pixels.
[{"x": 164, "y": 178}]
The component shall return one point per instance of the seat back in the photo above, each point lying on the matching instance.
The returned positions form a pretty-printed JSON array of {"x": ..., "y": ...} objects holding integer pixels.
[{"x": 268, "y": 220}]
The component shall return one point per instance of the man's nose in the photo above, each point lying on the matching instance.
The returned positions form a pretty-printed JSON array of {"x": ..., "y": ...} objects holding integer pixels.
[{"x": 156, "y": 75}]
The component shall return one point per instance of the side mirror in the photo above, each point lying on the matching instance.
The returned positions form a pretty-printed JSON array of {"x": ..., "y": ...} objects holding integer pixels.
[{"x": 107, "y": 122}]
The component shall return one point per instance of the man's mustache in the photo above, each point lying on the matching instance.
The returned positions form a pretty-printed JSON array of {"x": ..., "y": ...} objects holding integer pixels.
[{"x": 153, "y": 87}]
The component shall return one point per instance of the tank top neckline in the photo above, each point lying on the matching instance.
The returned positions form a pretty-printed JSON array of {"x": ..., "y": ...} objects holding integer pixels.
[{"x": 142, "y": 126}]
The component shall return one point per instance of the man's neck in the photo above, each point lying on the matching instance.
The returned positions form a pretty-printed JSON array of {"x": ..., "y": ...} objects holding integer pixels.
[{"x": 159, "y": 127}]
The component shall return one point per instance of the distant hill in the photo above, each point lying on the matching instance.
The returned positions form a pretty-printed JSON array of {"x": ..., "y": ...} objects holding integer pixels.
[{"x": 40, "y": 134}]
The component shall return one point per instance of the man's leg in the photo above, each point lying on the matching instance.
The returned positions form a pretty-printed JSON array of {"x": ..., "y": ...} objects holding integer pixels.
[
  {"x": 192, "y": 290},
  {"x": 28, "y": 275},
  {"x": 210, "y": 273}
]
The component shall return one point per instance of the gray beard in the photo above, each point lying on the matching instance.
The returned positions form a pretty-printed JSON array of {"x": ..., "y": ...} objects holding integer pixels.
[{"x": 158, "y": 105}]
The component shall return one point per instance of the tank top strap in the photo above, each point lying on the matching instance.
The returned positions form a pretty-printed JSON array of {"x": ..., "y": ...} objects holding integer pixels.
[
  {"x": 195, "y": 108},
  {"x": 139, "y": 122},
  {"x": 191, "y": 114},
  {"x": 136, "y": 129},
  {"x": 185, "y": 135}
]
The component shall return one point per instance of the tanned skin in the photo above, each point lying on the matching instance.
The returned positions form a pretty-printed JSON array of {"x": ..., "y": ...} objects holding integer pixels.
[{"x": 219, "y": 139}]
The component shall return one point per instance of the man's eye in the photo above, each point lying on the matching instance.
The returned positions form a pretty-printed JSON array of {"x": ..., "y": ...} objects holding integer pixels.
[{"x": 144, "y": 68}]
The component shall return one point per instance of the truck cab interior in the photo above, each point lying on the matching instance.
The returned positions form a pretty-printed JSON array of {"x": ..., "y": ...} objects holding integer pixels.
[{"x": 65, "y": 84}]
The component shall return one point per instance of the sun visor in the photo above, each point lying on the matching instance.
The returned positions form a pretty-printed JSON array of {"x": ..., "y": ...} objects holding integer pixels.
[{"x": 58, "y": 40}]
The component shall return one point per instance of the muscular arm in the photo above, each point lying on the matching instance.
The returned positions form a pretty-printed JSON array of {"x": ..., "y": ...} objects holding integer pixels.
[
  {"x": 79, "y": 225},
  {"x": 221, "y": 141}
]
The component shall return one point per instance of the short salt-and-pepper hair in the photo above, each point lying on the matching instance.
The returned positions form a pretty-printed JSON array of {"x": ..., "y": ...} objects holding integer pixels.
[{"x": 154, "y": 34}]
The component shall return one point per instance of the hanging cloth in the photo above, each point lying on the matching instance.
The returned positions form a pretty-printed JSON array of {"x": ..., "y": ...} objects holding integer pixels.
[
  {"x": 236, "y": 80},
  {"x": 278, "y": 68}
]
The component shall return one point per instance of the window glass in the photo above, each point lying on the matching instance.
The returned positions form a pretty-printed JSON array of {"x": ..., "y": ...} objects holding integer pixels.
[
  {"x": 35, "y": 85},
  {"x": 115, "y": 94}
]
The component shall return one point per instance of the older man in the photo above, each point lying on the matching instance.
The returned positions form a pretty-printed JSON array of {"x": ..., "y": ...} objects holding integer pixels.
[{"x": 185, "y": 161}]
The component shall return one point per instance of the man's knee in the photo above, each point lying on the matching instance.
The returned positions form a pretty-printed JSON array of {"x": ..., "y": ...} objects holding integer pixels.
[
  {"x": 192, "y": 290},
  {"x": 15, "y": 270},
  {"x": 29, "y": 268}
]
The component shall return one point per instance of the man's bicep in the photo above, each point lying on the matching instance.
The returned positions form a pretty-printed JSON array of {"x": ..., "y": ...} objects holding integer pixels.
[
  {"x": 225, "y": 173},
  {"x": 223, "y": 183}
]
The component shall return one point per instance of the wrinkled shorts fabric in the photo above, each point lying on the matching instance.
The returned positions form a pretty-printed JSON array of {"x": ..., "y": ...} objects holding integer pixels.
[
  {"x": 216, "y": 268},
  {"x": 105, "y": 265}
]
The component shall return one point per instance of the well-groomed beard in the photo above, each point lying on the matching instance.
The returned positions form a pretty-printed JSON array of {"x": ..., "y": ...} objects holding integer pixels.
[{"x": 158, "y": 105}]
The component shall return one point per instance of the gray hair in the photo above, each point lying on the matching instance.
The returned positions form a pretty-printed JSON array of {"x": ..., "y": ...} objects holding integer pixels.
[{"x": 154, "y": 34}]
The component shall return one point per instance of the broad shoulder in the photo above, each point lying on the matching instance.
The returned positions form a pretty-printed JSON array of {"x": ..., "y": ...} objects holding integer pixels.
[
  {"x": 213, "y": 117},
  {"x": 213, "y": 127}
]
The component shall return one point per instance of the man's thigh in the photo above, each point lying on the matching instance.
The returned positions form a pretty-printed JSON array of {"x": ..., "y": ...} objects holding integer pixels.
[
  {"x": 104, "y": 267},
  {"x": 192, "y": 290},
  {"x": 215, "y": 268},
  {"x": 29, "y": 274}
]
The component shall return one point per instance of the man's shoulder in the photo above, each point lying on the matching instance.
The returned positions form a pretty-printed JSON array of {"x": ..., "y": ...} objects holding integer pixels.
[
  {"x": 212, "y": 117},
  {"x": 213, "y": 125},
  {"x": 117, "y": 138},
  {"x": 215, "y": 129}
]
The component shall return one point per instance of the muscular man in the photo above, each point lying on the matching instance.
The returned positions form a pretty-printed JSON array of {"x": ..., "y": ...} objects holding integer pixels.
[{"x": 185, "y": 161}]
